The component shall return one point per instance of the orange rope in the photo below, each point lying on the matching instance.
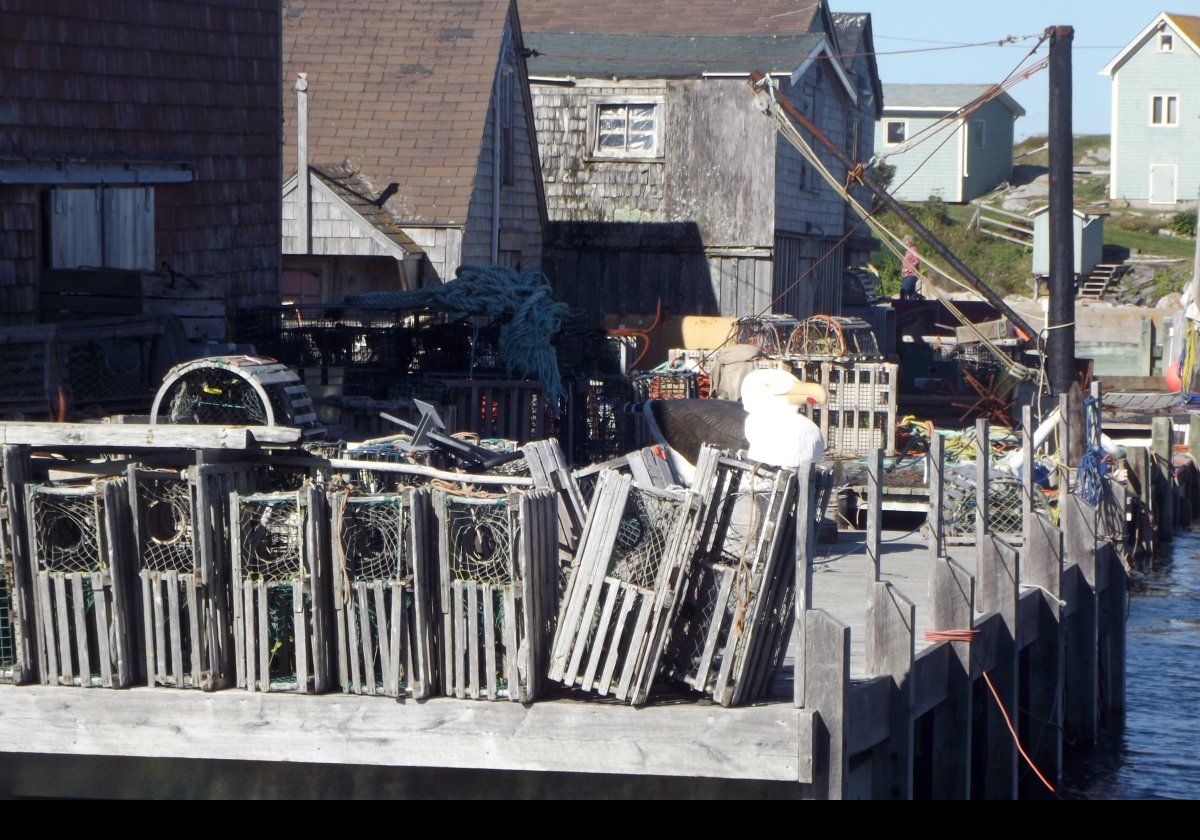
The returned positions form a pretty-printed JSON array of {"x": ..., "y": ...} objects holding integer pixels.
[{"x": 970, "y": 636}]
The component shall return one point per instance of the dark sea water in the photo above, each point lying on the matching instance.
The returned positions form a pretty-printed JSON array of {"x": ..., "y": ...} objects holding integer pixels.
[{"x": 1158, "y": 753}]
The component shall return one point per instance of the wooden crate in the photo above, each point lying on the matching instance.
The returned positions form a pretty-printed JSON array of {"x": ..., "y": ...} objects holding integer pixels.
[
  {"x": 623, "y": 588},
  {"x": 10, "y": 667},
  {"x": 81, "y": 561},
  {"x": 180, "y": 532},
  {"x": 280, "y": 547},
  {"x": 382, "y": 546},
  {"x": 860, "y": 415},
  {"x": 732, "y": 625},
  {"x": 497, "y": 559}
]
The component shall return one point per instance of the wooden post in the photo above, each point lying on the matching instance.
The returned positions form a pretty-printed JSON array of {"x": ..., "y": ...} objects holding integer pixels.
[
  {"x": 952, "y": 607},
  {"x": 874, "y": 517},
  {"x": 806, "y": 510},
  {"x": 15, "y": 471},
  {"x": 1194, "y": 434},
  {"x": 1060, "y": 319},
  {"x": 1041, "y": 568},
  {"x": 1079, "y": 541},
  {"x": 1145, "y": 363},
  {"x": 1161, "y": 484},
  {"x": 982, "y": 475},
  {"x": 891, "y": 640},
  {"x": 937, "y": 490},
  {"x": 827, "y": 680}
]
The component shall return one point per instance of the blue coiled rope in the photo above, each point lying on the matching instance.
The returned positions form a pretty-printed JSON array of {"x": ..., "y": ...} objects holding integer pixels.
[{"x": 1089, "y": 480}]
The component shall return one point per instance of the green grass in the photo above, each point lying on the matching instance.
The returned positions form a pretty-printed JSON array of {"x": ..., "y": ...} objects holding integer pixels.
[
  {"x": 1147, "y": 243},
  {"x": 1005, "y": 267},
  {"x": 1082, "y": 143}
]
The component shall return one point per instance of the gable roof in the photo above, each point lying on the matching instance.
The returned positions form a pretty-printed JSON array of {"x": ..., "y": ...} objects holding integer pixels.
[
  {"x": 856, "y": 38},
  {"x": 605, "y": 55},
  {"x": 400, "y": 90},
  {"x": 1188, "y": 27},
  {"x": 940, "y": 98},
  {"x": 674, "y": 17}
]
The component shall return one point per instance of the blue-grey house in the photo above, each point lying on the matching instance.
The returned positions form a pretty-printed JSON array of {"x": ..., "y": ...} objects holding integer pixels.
[
  {"x": 1156, "y": 114},
  {"x": 968, "y": 155}
]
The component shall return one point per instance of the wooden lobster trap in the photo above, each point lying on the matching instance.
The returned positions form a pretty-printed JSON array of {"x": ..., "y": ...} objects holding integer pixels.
[
  {"x": 180, "y": 530},
  {"x": 382, "y": 546},
  {"x": 10, "y": 646},
  {"x": 623, "y": 588},
  {"x": 731, "y": 629},
  {"x": 498, "y": 562},
  {"x": 280, "y": 581},
  {"x": 77, "y": 538},
  {"x": 860, "y": 414}
]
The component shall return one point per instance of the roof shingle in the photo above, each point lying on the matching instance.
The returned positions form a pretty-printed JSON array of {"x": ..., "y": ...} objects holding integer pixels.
[{"x": 671, "y": 17}]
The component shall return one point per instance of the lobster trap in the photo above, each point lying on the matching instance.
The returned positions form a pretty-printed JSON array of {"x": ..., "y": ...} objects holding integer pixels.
[
  {"x": 860, "y": 414},
  {"x": 280, "y": 591},
  {"x": 180, "y": 528},
  {"x": 382, "y": 544},
  {"x": 621, "y": 593},
  {"x": 77, "y": 537},
  {"x": 498, "y": 562},
  {"x": 9, "y": 666},
  {"x": 731, "y": 630},
  {"x": 1005, "y": 507}
]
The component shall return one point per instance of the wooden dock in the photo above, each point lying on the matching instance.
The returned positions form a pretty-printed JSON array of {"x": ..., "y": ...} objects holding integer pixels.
[{"x": 910, "y": 660}]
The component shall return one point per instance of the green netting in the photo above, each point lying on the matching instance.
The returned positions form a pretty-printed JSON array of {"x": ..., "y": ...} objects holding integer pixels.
[
  {"x": 281, "y": 635},
  {"x": 271, "y": 539},
  {"x": 8, "y": 651}
]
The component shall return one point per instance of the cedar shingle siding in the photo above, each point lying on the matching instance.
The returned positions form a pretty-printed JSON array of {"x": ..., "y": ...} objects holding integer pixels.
[{"x": 196, "y": 83}]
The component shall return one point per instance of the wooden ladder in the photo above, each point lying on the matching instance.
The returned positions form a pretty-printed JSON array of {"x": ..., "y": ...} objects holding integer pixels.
[{"x": 1096, "y": 284}]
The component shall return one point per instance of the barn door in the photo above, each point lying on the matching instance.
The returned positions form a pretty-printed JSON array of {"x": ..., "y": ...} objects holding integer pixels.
[{"x": 1162, "y": 183}]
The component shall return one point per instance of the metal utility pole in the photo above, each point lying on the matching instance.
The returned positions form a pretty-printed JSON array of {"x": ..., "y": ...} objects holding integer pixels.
[
  {"x": 864, "y": 176},
  {"x": 1060, "y": 321}
]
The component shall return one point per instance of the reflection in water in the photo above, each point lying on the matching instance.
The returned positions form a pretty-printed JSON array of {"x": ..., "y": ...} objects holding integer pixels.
[{"x": 1158, "y": 753}]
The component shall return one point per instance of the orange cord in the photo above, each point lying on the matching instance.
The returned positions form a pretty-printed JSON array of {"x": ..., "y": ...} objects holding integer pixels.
[{"x": 969, "y": 636}]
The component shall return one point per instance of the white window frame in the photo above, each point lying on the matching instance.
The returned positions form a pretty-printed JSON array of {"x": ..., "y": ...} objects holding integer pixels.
[
  {"x": 593, "y": 128},
  {"x": 1164, "y": 97},
  {"x": 982, "y": 144},
  {"x": 1166, "y": 42},
  {"x": 886, "y": 132}
]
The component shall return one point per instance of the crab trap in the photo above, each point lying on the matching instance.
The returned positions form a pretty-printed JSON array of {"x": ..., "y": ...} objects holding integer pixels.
[
  {"x": 381, "y": 605},
  {"x": 9, "y": 667},
  {"x": 77, "y": 537},
  {"x": 180, "y": 529},
  {"x": 281, "y": 590},
  {"x": 731, "y": 629},
  {"x": 498, "y": 565},
  {"x": 621, "y": 593}
]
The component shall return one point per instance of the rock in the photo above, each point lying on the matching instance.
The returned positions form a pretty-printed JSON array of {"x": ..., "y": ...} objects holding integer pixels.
[
  {"x": 1102, "y": 154},
  {"x": 1171, "y": 301}
]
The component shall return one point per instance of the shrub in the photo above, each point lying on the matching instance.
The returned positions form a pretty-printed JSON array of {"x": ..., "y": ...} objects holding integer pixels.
[{"x": 1184, "y": 223}]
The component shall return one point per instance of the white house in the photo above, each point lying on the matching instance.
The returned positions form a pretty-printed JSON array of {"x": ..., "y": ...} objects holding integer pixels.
[{"x": 1156, "y": 114}]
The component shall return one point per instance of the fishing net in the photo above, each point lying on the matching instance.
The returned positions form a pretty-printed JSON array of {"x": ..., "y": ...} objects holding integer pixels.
[
  {"x": 373, "y": 532},
  {"x": 482, "y": 536},
  {"x": 1004, "y": 507},
  {"x": 66, "y": 531},
  {"x": 820, "y": 335},
  {"x": 216, "y": 397},
  {"x": 642, "y": 538},
  {"x": 165, "y": 512},
  {"x": 271, "y": 532}
]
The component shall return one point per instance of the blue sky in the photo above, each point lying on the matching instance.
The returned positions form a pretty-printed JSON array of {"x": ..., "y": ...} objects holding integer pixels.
[{"x": 1102, "y": 29}]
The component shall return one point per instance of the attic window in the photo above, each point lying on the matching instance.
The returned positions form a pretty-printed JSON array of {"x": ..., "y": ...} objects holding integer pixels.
[
  {"x": 626, "y": 129},
  {"x": 897, "y": 132},
  {"x": 1166, "y": 42}
]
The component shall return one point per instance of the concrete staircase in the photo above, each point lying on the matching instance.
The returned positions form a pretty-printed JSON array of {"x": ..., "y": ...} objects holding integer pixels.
[{"x": 1096, "y": 284}]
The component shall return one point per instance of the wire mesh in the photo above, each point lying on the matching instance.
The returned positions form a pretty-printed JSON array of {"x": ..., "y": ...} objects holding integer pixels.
[
  {"x": 165, "y": 517},
  {"x": 642, "y": 536},
  {"x": 373, "y": 533},
  {"x": 23, "y": 370},
  {"x": 66, "y": 530},
  {"x": 482, "y": 537},
  {"x": 109, "y": 368},
  {"x": 272, "y": 543},
  {"x": 1004, "y": 507},
  {"x": 215, "y": 396},
  {"x": 8, "y": 651}
]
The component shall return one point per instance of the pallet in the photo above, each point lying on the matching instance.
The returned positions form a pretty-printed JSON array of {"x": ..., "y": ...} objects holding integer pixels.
[
  {"x": 382, "y": 546},
  {"x": 623, "y": 588},
  {"x": 81, "y": 563},
  {"x": 549, "y": 470},
  {"x": 732, "y": 625},
  {"x": 180, "y": 527},
  {"x": 279, "y": 544},
  {"x": 498, "y": 570}
]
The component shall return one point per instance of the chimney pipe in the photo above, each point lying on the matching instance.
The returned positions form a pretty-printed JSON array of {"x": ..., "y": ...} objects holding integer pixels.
[{"x": 303, "y": 199}]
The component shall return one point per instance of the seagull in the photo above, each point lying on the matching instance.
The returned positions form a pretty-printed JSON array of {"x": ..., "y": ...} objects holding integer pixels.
[{"x": 767, "y": 425}]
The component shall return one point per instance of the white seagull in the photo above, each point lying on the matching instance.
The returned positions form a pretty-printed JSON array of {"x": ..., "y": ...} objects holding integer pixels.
[{"x": 767, "y": 425}]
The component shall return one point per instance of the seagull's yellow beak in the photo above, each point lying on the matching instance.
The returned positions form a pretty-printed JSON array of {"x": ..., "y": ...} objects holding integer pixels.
[{"x": 805, "y": 393}]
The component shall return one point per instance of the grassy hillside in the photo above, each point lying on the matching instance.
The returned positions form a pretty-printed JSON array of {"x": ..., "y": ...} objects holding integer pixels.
[{"x": 1032, "y": 152}]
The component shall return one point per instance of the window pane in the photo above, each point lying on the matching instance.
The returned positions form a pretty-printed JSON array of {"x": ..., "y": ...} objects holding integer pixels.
[
  {"x": 1157, "y": 117},
  {"x": 895, "y": 132},
  {"x": 640, "y": 142},
  {"x": 1172, "y": 104},
  {"x": 612, "y": 141},
  {"x": 1166, "y": 43}
]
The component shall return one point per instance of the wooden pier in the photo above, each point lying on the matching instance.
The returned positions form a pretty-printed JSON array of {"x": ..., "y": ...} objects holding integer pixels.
[{"x": 918, "y": 669}]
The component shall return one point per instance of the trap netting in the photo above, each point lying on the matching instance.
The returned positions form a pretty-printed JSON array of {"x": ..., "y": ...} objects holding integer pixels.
[
  {"x": 372, "y": 533},
  {"x": 8, "y": 650},
  {"x": 166, "y": 541},
  {"x": 66, "y": 531},
  {"x": 482, "y": 537},
  {"x": 1004, "y": 506},
  {"x": 271, "y": 538},
  {"x": 642, "y": 536},
  {"x": 214, "y": 396}
]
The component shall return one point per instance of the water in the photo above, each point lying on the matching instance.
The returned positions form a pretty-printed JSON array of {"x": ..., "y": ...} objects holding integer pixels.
[{"x": 1158, "y": 753}]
